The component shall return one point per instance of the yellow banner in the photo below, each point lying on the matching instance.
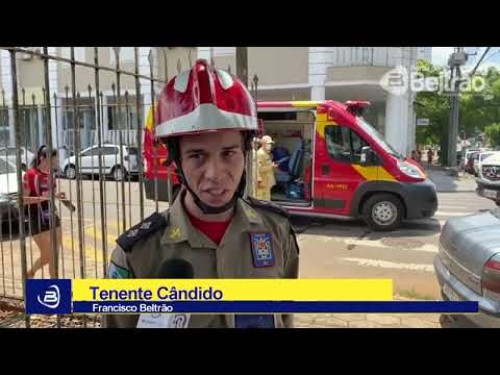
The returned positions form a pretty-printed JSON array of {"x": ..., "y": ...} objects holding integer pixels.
[{"x": 232, "y": 289}]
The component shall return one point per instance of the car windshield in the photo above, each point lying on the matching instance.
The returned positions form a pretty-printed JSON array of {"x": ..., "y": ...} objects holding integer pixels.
[
  {"x": 6, "y": 167},
  {"x": 132, "y": 150},
  {"x": 486, "y": 155},
  {"x": 367, "y": 127}
]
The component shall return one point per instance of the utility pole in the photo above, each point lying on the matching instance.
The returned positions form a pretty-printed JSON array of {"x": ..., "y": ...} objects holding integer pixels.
[
  {"x": 242, "y": 74},
  {"x": 456, "y": 60},
  {"x": 242, "y": 64}
]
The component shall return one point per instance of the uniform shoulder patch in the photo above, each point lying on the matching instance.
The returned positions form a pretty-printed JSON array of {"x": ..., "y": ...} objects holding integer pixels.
[
  {"x": 268, "y": 206},
  {"x": 146, "y": 227}
]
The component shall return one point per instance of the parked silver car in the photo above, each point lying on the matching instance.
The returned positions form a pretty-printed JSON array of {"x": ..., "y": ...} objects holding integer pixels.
[
  {"x": 468, "y": 264},
  {"x": 10, "y": 153},
  {"x": 111, "y": 162},
  {"x": 488, "y": 180},
  {"x": 8, "y": 191}
]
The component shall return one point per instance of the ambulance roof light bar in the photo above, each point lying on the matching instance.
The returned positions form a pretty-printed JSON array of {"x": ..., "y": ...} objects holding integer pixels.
[{"x": 356, "y": 107}]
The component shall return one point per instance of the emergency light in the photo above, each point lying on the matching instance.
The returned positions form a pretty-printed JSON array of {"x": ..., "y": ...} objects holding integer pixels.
[{"x": 356, "y": 107}]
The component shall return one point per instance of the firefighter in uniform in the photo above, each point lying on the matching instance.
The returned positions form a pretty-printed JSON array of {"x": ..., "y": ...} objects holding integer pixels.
[
  {"x": 252, "y": 189},
  {"x": 265, "y": 169},
  {"x": 207, "y": 119}
]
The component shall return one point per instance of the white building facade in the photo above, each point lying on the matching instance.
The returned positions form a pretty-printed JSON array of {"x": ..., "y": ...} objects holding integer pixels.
[
  {"x": 337, "y": 73},
  {"x": 284, "y": 73}
]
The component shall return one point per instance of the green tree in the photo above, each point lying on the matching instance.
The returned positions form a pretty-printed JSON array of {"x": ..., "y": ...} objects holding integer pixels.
[
  {"x": 492, "y": 133},
  {"x": 478, "y": 109},
  {"x": 435, "y": 106}
]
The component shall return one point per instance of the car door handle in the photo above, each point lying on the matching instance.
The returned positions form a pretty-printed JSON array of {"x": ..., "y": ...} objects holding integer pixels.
[{"x": 325, "y": 169}]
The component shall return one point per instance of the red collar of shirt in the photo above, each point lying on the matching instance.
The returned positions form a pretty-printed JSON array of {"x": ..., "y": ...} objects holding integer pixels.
[{"x": 212, "y": 229}]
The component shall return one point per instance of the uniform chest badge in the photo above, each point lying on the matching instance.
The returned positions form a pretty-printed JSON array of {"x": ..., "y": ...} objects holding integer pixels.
[{"x": 262, "y": 249}]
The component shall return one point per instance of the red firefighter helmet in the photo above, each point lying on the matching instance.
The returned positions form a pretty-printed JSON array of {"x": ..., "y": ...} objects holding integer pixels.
[{"x": 204, "y": 99}]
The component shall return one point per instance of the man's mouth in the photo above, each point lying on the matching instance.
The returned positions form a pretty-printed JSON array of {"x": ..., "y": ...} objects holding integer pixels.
[{"x": 215, "y": 192}]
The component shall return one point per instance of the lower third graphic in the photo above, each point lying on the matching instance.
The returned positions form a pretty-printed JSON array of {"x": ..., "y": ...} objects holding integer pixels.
[{"x": 47, "y": 296}]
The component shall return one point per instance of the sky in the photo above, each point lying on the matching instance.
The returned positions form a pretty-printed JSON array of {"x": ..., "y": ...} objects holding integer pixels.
[{"x": 440, "y": 56}]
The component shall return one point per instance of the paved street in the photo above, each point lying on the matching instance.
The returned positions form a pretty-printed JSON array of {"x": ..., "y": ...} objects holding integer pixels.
[
  {"x": 335, "y": 249},
  {"x": 329, "y": 249},
  {"x": 340, "y": 250}
]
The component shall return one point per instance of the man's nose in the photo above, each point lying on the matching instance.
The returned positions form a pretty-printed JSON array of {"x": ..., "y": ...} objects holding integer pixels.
[{"x": 213, "y": 168}]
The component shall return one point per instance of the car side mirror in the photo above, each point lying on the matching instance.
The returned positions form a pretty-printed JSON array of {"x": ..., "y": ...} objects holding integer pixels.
[{"x": 368, "y": 156}]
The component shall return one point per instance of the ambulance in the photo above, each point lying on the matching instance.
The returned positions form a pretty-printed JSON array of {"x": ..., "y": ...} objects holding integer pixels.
[
  {"x": 331, "y": 163},
  {"x": 156, "y": 171}
]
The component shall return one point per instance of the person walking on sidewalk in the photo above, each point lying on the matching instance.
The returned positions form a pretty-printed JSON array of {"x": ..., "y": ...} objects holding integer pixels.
[{"x": 37, "y": 185}]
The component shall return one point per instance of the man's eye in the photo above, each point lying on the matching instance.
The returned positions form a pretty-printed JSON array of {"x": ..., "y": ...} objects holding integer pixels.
[
  {"x": 229, "y": 153},
  {"x": 195, "y": 156}
]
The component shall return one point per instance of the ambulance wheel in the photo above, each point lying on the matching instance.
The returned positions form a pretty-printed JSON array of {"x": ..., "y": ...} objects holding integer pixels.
[{"x": 383, "y": 212}]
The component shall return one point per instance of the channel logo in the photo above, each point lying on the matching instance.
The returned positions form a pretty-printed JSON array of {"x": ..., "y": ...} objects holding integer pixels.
[
  {"x": 399, "y": 81},
  {"x": 48, "y": 296}
]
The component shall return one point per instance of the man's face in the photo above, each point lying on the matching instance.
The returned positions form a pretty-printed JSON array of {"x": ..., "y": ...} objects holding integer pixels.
[
  {"x": 213, "y": 164},
  {"x": 268, "y": 146}
]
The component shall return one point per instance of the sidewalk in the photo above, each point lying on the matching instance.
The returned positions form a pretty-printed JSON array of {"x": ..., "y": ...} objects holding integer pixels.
[
  {"x": 300, "y": 321},
  {"x": 445, "y": 182},
  {"x": 11, "y": 316},
  {"x": 367, "y": 321}
]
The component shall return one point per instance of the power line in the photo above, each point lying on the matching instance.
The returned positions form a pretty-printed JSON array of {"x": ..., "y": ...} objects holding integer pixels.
[{"x": 480, "y": 60}]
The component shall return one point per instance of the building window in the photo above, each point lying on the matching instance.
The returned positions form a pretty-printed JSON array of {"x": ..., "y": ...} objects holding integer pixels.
[
  {"x": 79, "y": 53},
  {"x": 4, "y": 117},
  {"x": 85, "y": 108},
  {"x": 117, "y": 115},
  {"x": 224, "y": 51},
  {"x": 127, "y": 55},
  {"x": 367, "y": 55},
  {"x": 343, "y": 144},
  {"x": 361, "y": 56},
  {"x": 4, "y": 126},
  {"x": 30, "y": 126}
]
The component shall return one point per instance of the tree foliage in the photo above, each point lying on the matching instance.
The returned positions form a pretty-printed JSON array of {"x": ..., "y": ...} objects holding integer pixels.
[
  {"x": 493, "y": 135},
  {"x": 433, "y": 105},
  {"x": 479, "y": 109}
]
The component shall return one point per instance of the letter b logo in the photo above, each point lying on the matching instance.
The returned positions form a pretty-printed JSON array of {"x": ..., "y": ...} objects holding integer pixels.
[{"x": 48, "y": 296}]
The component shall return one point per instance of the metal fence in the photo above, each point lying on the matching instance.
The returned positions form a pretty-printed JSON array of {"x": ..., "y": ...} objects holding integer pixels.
[{"x": 98, "y": 136}]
